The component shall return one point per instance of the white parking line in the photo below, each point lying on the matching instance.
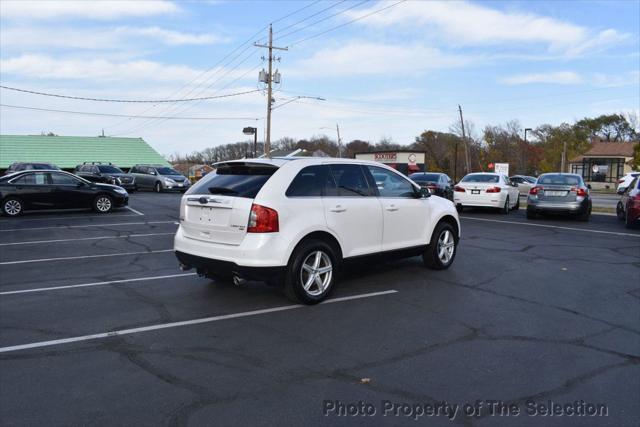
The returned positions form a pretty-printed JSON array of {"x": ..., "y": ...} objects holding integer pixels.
[
  {"x": 89, "y": 225},
  {"x": 178, "y": 324},
  {"x": 84, "y": 285},
  {"x": 134, "y": 211},
  {"x": 37, "y": 242},
  {"x": 24, "y": 219},
  {"x": 615, "y": 233},
  {"x": 27, "y": 261}
]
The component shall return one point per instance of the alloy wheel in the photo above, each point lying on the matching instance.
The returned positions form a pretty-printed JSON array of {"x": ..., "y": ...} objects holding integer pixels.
[
  {"x": 316, "y": 273},
  {"x": 446, "y": 246},
  {"x": 103, "y": 204},
  {"x": 12, "y": 207}
]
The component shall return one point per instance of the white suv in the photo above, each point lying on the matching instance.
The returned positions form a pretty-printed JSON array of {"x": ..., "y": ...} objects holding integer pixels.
[{"x": 293, "y": 221}]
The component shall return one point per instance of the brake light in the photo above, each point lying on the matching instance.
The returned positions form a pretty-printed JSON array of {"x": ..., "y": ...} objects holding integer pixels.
[
  {"x": 459, "y": 189},
  {"x": 433, "y": 187},
  {"x": 262, "y": 220},
  {"x": 580, "y": 192},
  {"x": 493, "y": 190},
  {"x": 620, "y": 181},
  {"x": 534, "y": 190}
]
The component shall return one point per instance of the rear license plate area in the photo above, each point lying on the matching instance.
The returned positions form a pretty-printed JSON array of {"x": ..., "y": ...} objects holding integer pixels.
[
  {"x": 551, "y": 193},
  {"x": 475, "y": 191}
]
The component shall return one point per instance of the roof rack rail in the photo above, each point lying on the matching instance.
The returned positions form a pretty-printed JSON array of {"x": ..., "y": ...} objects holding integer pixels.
[{"x": 97, "y": 163}]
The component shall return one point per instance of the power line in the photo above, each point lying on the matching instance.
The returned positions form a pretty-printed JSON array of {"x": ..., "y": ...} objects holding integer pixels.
[
  {"x": 309, "y": 17},
  {"x": 138, "y": 101},
  {"x": 346, "y": 23},
  {"x": 88, "y": 113},
  {"x": 320, "y": 20}
]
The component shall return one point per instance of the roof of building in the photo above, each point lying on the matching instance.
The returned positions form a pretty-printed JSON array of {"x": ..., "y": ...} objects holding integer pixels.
[
  {"x": 68, "y": 151},
  {"x": 608, "y": 149}
]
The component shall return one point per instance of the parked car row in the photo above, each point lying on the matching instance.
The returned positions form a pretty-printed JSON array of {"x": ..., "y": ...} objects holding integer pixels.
[
  {"x": 100, "y": 186},
  {"x": 628, "y": 208}
]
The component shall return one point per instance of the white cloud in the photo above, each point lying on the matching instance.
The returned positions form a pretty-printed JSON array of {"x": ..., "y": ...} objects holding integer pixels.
[
  {"x": 106, "y": 9},
  {"x": 102, "y": 70},
  {"x": 559, "y": 77},
  {"x": 98, "y": 38},
  {"x": 367, "y": 58},
  {"x": 470, "y": 24}
]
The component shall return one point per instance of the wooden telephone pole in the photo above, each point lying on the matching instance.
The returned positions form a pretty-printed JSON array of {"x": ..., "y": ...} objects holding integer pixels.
[{"x": 269, "y": 81}]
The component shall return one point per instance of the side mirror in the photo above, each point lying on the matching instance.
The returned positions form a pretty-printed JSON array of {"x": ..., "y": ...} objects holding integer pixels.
[
  {"x": 589, "y": 186},
  {"x": 423, "y": 193},
  {"x": 152, "y": 173},
  {"x": 621, "y": 191},
  {"x": 80, "y": 184}
]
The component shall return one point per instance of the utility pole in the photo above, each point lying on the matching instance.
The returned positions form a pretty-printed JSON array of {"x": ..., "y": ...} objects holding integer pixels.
[
  {"x": 564, "y": 156},
  {"x": 464, "y": 140},
  {"x": 269, "y": 80},
  {"x": 339, "y": 141},
  {"x": 524, "y": 152}
]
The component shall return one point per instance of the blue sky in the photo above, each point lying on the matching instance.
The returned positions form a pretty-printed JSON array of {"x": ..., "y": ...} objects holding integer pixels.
[{"x": 392, "y": 74}]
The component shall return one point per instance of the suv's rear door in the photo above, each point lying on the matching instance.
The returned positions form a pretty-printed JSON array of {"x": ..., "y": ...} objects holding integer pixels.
[
  {"x": 352, "y": 211},
  {"x": 217, "y": 208}
]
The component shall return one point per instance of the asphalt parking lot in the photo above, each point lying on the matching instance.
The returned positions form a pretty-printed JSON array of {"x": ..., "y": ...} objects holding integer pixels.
[{"x": 99, "y": 326}]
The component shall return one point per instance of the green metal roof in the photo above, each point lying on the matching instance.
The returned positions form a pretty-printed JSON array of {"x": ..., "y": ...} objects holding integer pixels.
[{"x": 69, "y": 151}]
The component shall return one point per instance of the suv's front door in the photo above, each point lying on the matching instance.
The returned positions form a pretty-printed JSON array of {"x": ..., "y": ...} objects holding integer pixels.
[
  {"x": 405, "y": 215},
  {"x": 352, "y": 211}
]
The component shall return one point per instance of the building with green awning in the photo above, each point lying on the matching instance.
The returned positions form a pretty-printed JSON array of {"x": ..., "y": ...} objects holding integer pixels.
[{"x": 67, "y": 152}]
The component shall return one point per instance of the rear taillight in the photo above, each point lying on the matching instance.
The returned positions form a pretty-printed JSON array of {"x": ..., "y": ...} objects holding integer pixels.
[
  {"x": 620, "y": 181},
  {"x": 493, "y": 190},
  {"x": 534, "y": 190},
  {"x": 459, "y": 189},
  {"x": 432, "y": 187},
  {"x": 262, "y": 220},
  {"x": 580, "y": 192}
]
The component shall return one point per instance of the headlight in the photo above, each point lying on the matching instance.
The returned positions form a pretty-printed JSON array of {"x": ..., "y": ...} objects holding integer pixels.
[
  {"x": 121, "y": 191},
  {"x": 169, "y": 181}
]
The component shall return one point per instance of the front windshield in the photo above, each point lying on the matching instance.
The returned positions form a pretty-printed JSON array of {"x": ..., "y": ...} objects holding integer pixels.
[
  {"x": 109, "y": 169},
  {"x": 167, "y": 171}
]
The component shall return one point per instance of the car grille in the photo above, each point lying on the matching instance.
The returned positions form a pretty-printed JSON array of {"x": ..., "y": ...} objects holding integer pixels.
[{"x": 126, "y": 179}]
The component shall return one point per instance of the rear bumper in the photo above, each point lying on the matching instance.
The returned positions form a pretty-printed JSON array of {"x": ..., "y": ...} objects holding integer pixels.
[
  {"x": 217, "y": 268},
  {"x": 491, "y": 200},
  {"x": 568, "y": 207}
]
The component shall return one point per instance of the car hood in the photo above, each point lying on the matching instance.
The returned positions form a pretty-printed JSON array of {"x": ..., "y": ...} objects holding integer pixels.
[
  {"x": 174, "y": 177},
  {"x": 105, "y": 186}
]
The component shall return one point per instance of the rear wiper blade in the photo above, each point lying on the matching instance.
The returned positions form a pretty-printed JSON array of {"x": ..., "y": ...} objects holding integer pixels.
[{"x": 221, "y": 190}]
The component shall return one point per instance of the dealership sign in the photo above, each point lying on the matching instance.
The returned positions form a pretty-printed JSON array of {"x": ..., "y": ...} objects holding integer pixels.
[
  {"x": 501, "y": 168},
  {"x": 385, "y": 157}
]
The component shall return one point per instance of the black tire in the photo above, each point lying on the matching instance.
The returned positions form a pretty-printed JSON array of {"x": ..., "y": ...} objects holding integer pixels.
[
  {"x": 505, "y": 209},
  {"x": 517, "y": 206},
  {"x": 157, "y": 187},
  {"x": 103, "y": 203},
  {"x": 306, "y": 254},
  {"x": 620, "y": 212},
  {"x": 459, "y": 208},
  {"x": 531, "y": 213},
  {"x": 628, "y": 222},
  {"x": 432, "y": 257},
  {"x": 585, "y": 214},
  {"x": 12, "y": 206}
]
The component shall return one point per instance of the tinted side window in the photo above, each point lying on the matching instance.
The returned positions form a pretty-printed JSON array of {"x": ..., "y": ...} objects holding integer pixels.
[
  {"x": 350, "y": 181},
  {"x": 310, "y": 182},
  {"x": 392, "y": 185},
  {"x": 63, "y": 179},
  {"x": 31, "y": 179}
]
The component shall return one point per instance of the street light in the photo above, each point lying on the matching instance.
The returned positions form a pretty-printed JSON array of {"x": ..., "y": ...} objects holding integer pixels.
[
  {"x": 339, "y": 141},
  {"x": 254, "y": 132},
  {"x": 524, "y": 154}
]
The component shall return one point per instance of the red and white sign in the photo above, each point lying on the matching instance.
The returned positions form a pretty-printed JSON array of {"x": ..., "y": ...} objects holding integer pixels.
[{"x": 385, "y": 157}]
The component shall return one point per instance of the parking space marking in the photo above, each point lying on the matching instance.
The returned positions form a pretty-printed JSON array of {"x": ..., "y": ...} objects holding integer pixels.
[
  {"x": 37, "y": 242},
  {"x": 84, "y": 285},
  {"x": 60, "y": 227},
  {"x": 183, "y": 323},
  {"x": 615, "y": 233},
  {"x": 23, "y": 219},
  {"x": 27, "y": 261},
  {"x": 134, "y": 211}
]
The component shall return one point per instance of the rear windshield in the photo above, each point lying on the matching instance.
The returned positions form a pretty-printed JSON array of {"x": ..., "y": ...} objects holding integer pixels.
[
  {"x": 481, "y": 178},
  {"x": 425, "y": 177},
  {"x": 42, "y": 166},
  {"x": 109, "y": 169},
  {"x": 235, "y": 179},
  {"x": 559, "y": 180}
]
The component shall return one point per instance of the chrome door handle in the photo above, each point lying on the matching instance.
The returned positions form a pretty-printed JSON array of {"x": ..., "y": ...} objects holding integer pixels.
[
  {"x": 338, "y": 209},
  {"x": 391, "y": 208}
]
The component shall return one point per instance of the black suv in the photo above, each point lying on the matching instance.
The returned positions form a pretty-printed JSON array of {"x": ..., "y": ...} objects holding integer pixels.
[
  {"x": 27, "y": 166},
  {"x": 106, "y": 173}
]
